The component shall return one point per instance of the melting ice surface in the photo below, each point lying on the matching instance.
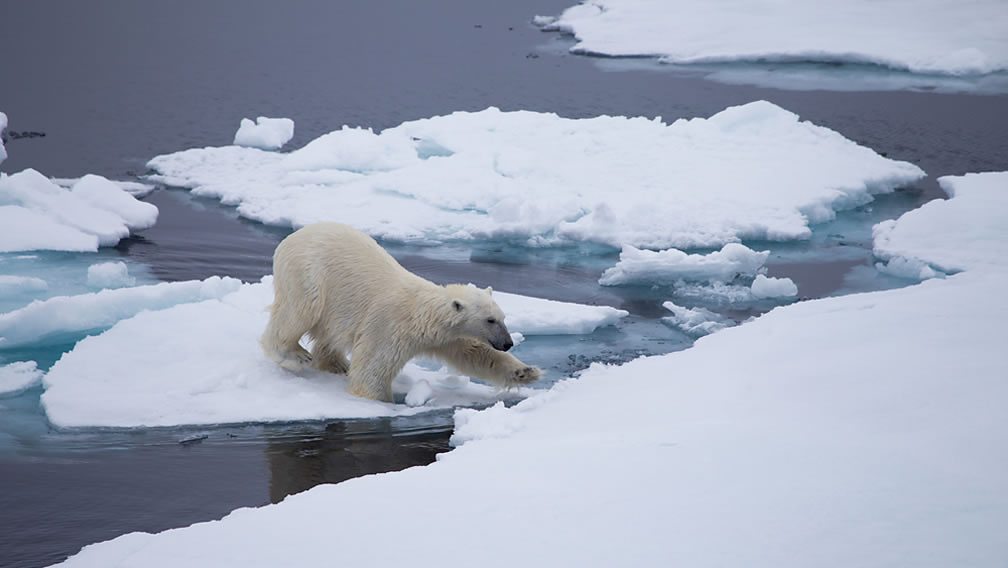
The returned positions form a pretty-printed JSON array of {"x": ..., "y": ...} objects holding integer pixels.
[{"x": 930, "y": 36}]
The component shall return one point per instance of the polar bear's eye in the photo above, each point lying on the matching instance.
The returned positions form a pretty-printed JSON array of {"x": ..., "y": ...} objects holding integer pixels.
[{"x": 491, "y": 320}]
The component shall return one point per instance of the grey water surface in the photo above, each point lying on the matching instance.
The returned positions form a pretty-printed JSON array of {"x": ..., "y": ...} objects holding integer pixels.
[{"x": 112, "y": 84}]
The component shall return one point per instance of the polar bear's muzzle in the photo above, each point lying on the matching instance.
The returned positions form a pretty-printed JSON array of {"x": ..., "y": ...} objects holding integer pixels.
[{"x": 501, "y": 339}]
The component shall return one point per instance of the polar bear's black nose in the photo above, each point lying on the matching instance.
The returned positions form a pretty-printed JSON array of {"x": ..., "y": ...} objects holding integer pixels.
[{"x": 508, "y": 344}]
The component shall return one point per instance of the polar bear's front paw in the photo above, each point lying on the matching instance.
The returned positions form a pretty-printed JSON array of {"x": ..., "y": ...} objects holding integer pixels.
[
  {"x": 525, "y": 375},
  {"x": 296, "y": 362}
]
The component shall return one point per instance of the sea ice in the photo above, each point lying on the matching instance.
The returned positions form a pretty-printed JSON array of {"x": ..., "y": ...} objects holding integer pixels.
[
  {"x": 265, "y": 133},
  {"x": 207, "y": 368},
  {"x": 18, "y": 377},
  {"x": 921, "y": 244},
  {"x": 542, "y": 179},
  {"x": 37, "y": 214},
  {"x": 863, "y": 430},
  {"x": 695, "y": 321},
  {"x": 109, "y": 275},
  {"x": 638, "y": 266},
  {"x": 764, "y": 287},
  {"x": 63, "y": 316},
  {"x": 922, "y": 36}
]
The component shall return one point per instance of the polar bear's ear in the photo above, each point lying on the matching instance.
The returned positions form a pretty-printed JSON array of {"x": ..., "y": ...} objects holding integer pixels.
[
  {"x": 489, "y": 291},
  {"x": 457, "y": 305}
]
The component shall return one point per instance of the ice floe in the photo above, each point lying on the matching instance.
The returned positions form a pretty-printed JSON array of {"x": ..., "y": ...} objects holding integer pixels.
[
  {"x": 764, "y": 287},
  {"x": 60, "y": 317},
  {"x": 922, "y": 36},
  {"x": 265, "y": 133},
  {"x": 18, "y": 377},
  {"x": 542, "y": 179},
  {"x": 200, "y": 363},
  {"x": 109, "y": 275},
  {"x": 921, "y": 245},
  {"x": 863, "y": 430},
  {"x": 37, "y": 214},
  {"x": 638, "y": 266},
  {"x": 695, "y": 321}
]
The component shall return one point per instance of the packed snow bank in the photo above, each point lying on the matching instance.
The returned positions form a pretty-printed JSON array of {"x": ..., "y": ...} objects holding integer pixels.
[
  {"x": 638, "y": 266},
  {"x": 109, "y": 275},
  {"x": 923, "y": 36},
  {"x": 208, "y": 368},
  {"x": 546, "y": 179},
  {"x": 264, "y": 133},
  {"x": 695, "y": 321},
  {"x": 969, "y": 231},
  {"x": 62, "y": 316},
  {"x": 862, "y": 430},
  {"x": 18, "y": 377},
  {"x": 768, "y": 287},
  {"x": 37, "y": 214}
]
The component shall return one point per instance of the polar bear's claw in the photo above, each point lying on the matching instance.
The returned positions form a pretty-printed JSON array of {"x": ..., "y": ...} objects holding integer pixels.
[{"x": 526, "y": 375}]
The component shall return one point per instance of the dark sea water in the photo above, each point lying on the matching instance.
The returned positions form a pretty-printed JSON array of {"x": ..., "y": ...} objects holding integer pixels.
[{"x": 112, "y": 84}]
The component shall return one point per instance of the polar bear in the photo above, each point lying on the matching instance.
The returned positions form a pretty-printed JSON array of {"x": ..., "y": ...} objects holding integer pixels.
[{"x": 340, "y": 287}]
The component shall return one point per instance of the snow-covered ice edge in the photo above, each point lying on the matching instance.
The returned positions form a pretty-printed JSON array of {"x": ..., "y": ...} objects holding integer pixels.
[{"x": 860, "y": 430}]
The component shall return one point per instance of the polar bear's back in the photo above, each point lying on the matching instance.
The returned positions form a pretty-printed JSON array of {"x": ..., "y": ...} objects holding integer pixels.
[{"x": 339, "y": 273}]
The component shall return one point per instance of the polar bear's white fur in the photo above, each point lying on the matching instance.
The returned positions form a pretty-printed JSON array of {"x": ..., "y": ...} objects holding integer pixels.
[{"x": 340, "y": 287}]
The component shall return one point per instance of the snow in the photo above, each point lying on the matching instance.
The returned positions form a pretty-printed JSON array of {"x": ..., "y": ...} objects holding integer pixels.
[
  {"x": 638, "y": 266},
  {"x": 921, "y": 245},
  {"x": 695, "y": 321},
  {"x": 109, "y": 275},
  {"x": 863, "y": 430},
  {"x": 13, "y": 284},
  {"x": 135, "y": 188},
  {"x": 37, "y": 214},
  {"x": 18, "y": 377},
  {"x": 58, "y": 317},
  {"x": 265, "y": 133},
  {"x": 768, "y": 287},
  {"x": 540, "y": 179},
  {"x": 921, "y": 36},
  {"x": 208, "y": 368}
]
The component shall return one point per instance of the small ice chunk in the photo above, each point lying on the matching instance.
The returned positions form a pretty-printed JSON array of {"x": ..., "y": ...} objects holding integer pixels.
[
  {"x": 695, "y": 321},
  {"x": 265, "y": 133},
  {"x": 3, "y": 126},
  {"x": 638, "y": 266},
  {"x": 109, "y": 275},
  {"x": 517, "y": 338},
  {"x": 194, "y": 438},
  {"x": 18, "y": 377},
  {"x": 543, "y": 21},
  {"x": 419, "y": 393},
  {"x": 764, "y": 287},
  {"x": 17, "y": 284}
]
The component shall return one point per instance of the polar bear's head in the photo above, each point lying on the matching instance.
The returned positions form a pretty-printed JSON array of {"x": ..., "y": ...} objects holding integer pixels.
[{"x": 476, "y": 314}]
